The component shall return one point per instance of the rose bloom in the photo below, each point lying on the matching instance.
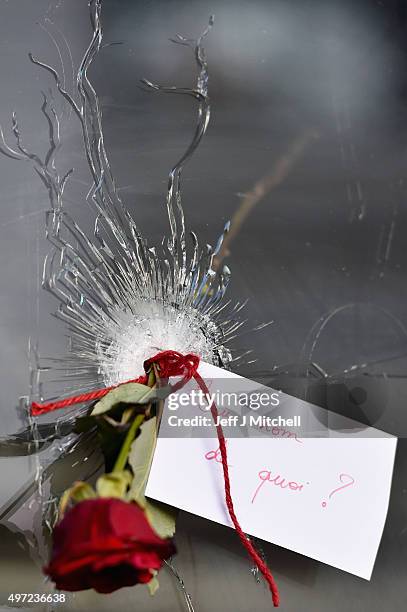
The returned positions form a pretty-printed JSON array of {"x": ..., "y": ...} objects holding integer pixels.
[{"x": 105, "y": 544}]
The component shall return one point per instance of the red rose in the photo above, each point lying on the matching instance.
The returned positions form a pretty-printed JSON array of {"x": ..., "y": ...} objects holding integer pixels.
[{"x": 105, "y": 544}]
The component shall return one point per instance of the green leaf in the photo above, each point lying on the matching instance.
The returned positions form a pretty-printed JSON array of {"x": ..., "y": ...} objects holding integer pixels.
[
  {"x": 113, "y": 485},
  {"x": 161, "y": 517},
  {"x": 111, "y": 440},
  {"x": 126, "y": 415},
  {"x": 84, "y": 424},
  {"x": 129, "y": 393},
  {"x": 77, "y": 493},
  {"x": 153, "y": 585},
  {"x": 141, "y": 457}
]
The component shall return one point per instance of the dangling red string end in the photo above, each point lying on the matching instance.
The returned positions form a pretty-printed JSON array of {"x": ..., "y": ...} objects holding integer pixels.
[{"x": 170, "y": 364}]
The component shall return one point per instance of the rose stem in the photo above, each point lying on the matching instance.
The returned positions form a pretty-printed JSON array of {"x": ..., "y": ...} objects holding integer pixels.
[
  {"x": 125, "y": 449},
  {"x": 131, "y": 434}
]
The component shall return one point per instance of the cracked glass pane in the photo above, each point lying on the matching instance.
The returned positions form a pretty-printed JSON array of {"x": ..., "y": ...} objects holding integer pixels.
[{"x": 286, "y": 139}]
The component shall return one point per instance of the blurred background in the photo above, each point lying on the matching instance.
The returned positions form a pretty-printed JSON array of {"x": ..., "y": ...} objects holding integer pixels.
[{"x": 306, "y": 153}]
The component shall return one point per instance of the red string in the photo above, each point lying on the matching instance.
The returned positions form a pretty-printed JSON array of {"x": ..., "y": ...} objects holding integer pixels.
[
  {"x": 168, "y": 364},
  {"x": 268, "y": 576},
  {"x": 37, "y": 409}
]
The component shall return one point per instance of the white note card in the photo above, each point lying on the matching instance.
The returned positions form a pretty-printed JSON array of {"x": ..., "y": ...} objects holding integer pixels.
[{"x": 324, "y": 497}]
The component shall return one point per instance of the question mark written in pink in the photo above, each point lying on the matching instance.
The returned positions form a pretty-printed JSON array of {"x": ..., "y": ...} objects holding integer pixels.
[{"x": 343, "y": 478}]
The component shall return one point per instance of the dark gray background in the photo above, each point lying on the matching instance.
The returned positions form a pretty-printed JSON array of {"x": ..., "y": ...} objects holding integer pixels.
[{"x": 329, "y": 239}]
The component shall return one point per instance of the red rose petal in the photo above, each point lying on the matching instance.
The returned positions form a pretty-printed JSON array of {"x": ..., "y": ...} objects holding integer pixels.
[{"x": 105, "y": 544}]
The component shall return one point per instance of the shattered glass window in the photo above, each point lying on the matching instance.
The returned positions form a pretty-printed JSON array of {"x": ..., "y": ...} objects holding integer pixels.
[{"x": 232, "y": 186}]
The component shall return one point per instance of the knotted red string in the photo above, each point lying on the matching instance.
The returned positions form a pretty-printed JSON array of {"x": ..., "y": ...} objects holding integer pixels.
[{"x": 169, "y": 364}]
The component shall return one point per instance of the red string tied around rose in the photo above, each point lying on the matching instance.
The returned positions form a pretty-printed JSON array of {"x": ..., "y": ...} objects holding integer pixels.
[{"x": 173, "y": 364}]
